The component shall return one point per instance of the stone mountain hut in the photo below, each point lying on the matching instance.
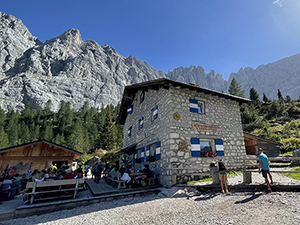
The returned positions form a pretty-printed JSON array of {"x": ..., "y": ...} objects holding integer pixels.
[{"x": 169, "y": 125}]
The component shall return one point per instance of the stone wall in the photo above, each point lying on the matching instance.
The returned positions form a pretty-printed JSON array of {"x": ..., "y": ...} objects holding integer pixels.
[
  {"x": 152, "y": 131},
  {"x": 221, "y": 120}
]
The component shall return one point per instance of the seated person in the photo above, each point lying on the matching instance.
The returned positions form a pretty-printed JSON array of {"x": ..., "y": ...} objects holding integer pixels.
[
  {"x": 126, "y": 177},
  {"x": 5, "y": 187},
  {"x": 147, "y": 172},
  {"x": 69, "y": 175},
  {"x": 122, "y": 170},
  {"x": 38, "y": 177},
  {"x": 17, "y": 177},
  {"x": 52, "y": 176},
  {"x": 7, "y": 180},
  {"x": 79, "y": 173}
]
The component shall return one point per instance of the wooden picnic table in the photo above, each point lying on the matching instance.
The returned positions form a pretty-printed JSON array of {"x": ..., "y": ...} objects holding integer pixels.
[{"x": 134, "y": 175}]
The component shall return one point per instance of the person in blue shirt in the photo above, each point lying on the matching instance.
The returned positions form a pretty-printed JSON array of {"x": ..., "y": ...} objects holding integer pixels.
[{"x": 264, "y": 168}]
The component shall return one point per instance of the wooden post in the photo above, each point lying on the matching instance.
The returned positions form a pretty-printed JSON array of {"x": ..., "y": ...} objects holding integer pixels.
[
  {"x": 76, "y": 187},
  {"x": 33, "y": 191}
]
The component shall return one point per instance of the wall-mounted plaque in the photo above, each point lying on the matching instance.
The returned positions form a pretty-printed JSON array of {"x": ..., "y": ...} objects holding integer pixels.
[
  {"x": 141, "y": 137},
  {"x": 183, "y": 145},
  {"x": 176, "y": 116}
]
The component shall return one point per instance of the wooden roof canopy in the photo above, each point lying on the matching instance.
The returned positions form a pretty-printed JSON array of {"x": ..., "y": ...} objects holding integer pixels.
[
  {"x": 131, "y": 90},
  {"x": 250, "y": 137},
  {"x": 40, "y": 141}
]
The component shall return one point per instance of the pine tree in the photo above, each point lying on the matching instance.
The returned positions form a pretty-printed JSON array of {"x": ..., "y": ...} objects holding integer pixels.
[
  {"x": 47, "y": 108},
  {"x": 46, "y": 131},
  {"x": 253, "y": 94},
  {"x": 107, "y": 136},
  {"x": 60, "y": 139},
  {"x": 35, "y": 132},
  {"x": 279, "y": 95},
  {"x": 235, "y": 88},
  {"x": 76, "y": 137},
  {"x": 4, "y": 142},
  {"x": 13, "y": 127},
  {"x": 24, "y": 133},
  {"x": 265, "y": 98}
]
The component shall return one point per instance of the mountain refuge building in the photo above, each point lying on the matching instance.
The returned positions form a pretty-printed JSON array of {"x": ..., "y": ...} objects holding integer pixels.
[
  {"x": 169, "y": 125},
  {"x": 36, "y": 155}
]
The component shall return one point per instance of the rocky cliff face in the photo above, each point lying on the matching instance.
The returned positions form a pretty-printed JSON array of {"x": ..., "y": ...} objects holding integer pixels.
[
  {"x": 197, "y": 75},
  {"x": 69, "y": 69},
  {"x": 283, "y": 74},
  {"x": 63, "y": 68}
]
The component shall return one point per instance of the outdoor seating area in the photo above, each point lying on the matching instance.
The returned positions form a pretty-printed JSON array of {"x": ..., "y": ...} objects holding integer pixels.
[
  {"x": 127, "y": 178},
  {"x": 49, "y": 183}
]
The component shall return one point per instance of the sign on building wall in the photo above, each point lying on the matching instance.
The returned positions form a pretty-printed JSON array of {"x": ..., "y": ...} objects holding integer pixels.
[
  {"x": 204, "y": 127},
  {"x": 140, "y": 137}
]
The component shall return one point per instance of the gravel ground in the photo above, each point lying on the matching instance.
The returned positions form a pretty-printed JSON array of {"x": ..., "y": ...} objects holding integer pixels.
[{"x": 186, "y": 206}]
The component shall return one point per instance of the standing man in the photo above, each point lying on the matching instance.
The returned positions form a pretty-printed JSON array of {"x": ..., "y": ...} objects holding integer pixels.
[
  {"x": 99, "y": 168},
  {"x": 86, "y": 169},
  {"x": 264, "y": 168}
]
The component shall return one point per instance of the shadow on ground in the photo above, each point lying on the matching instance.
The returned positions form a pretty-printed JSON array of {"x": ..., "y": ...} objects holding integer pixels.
[{"x": 251, "y": 198}]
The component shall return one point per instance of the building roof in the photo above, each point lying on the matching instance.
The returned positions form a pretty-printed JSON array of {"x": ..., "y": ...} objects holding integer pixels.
[
  {"x": 131, "y": 90},
  {"x": 40, "y": 141},
  {"x": 251, "y": 136}
]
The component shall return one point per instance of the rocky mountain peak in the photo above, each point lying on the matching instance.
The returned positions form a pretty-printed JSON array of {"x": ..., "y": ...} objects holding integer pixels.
[{"x": 69, "y": 37}]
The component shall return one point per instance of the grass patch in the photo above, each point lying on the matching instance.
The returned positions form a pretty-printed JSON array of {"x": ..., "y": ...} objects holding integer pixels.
[
  {"x": 230, "y": 174},
  {"x": 200, "y": 181},
  {"x": 287, "y": 154},
  {"x": 234, "y": 173},
  {"x": 295, "y": 176}
]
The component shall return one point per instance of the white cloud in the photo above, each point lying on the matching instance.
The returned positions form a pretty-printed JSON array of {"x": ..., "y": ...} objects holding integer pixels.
[{"x": 279, "y": 2}]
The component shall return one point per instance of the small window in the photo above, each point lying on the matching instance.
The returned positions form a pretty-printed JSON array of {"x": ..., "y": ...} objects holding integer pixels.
[
  {"x": 200, "y": 107},
  {"x": 152, "y": 153},
  {"x": 207, "y": 148},
  {"x": 129, "y": 109},
  {"x": 197, "y": 106},
  {"x": 203, "y": 147},
  {"x": 142, "y": 96},
  {"x": 154, "y": 113},
  {"x": 129, "y": 131},
  {"x": 141, "y": 123}
]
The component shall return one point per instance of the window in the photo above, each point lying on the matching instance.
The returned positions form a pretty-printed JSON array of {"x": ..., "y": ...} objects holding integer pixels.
[
  {"x": 197, "y": 106},
  {"x": 141, "y": 123},
  {"x": 154, "y": 113},
  {"x": 129, "y": 109},
  {"x": 129, "y": 131},
  {"x": 138, "y": 155},
  {"x": 142, "y": 97},
  {"x": 153, "y": 152},
  {"x": 207, "y": 147}
]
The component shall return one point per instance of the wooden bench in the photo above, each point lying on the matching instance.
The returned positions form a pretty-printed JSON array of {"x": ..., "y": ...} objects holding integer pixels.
[
  {"x": 116, "y": 181},
  {"x": 54, "y": 183}
]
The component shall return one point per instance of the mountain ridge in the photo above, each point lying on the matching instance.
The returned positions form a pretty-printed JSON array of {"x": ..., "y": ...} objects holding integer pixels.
[{"x": 66, "y": 68}]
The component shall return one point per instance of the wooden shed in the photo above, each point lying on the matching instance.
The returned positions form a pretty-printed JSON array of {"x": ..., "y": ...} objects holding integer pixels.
[
  {"x": 36, "y": 155},
  {"x": 252, "y": 143}
]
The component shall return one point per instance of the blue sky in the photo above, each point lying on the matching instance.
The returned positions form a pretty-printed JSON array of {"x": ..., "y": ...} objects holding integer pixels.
[{"x": 215, "y": 34}]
